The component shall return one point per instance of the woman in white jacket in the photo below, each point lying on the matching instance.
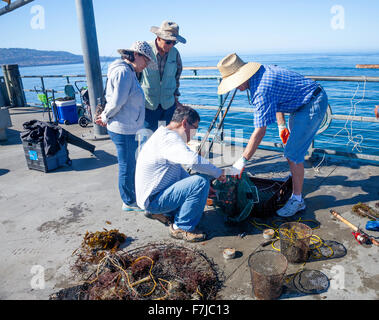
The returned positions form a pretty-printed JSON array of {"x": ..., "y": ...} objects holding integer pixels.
[{"x": 124, "y": 113}]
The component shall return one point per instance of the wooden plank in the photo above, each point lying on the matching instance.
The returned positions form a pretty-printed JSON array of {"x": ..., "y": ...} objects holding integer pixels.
[{"x": 367, "y": 66}]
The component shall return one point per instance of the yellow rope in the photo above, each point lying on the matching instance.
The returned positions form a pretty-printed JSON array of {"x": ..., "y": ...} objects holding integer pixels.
[
  {"x": 167, "y": 291},
  {"x": 198, "y": 291},
  {"x": 151, "y": 275},
  {"x": 291, "y": 235}
]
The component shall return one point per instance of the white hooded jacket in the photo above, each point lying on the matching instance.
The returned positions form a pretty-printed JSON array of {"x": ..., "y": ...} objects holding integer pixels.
[{"x": 124, "y": 111}]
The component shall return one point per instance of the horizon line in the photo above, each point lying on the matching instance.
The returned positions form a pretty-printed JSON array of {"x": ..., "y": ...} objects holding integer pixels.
[{"x": 243, "y": 52}]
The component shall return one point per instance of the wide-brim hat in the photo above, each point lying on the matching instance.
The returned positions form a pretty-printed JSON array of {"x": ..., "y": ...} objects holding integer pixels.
[
  {"x": 234, "y": 72},
  {"x": 168, "y": 31},
  {"x": 142, "y": 47}
]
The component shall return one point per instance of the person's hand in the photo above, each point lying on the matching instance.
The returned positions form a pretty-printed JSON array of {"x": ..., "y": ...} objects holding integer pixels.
[
  {"x": 283, "y": 133},
  {"x": 222, "y": 178},
  {"x": 211, "y": 193},
  {"x": 237, "y": 168},
  {"x": 100, "y": 122}
]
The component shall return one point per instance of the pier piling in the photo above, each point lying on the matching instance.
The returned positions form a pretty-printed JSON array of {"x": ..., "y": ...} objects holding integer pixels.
[
  {"x": 91, "y": 57},
  {"x": 13, "y": 84}
]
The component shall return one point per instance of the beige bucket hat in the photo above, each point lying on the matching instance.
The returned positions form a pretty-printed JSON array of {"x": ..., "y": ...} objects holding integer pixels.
[
  {"x": 235, "y": 72},
  {"x": 168, "y": 31}
]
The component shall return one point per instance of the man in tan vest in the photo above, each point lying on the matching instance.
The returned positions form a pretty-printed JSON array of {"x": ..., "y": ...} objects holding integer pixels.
[{"x": 161, "y": 87}]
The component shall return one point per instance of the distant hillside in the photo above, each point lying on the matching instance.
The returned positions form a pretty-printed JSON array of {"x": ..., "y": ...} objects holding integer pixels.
[{"x": 31, "y": 57}]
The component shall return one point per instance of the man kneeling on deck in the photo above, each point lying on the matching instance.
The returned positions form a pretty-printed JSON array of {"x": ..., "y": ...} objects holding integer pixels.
[
  {"x": 273, "y": 90},
  {"x": 163, "y": 188}
]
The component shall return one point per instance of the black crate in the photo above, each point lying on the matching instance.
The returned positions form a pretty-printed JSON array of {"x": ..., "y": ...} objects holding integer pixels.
[
  {"x": 273, "y": 194},
  {"x": 37, "y": 159},
  {"x": 266, "y": 197}
]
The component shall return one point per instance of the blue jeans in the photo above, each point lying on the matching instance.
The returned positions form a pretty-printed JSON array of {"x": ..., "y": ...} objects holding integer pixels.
[
  {"x": 152, "y": 117},
  {"x": 303, "y": 125},
  {"x": 185, "y": 200},
  {"x": 126, "y": 146}
]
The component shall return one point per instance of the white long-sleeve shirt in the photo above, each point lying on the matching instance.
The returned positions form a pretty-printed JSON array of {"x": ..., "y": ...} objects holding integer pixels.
[{"x": 159, "y": 164}]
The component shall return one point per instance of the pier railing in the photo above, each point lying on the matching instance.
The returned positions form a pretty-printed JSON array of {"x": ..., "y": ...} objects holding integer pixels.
[
  {"x": 339, "y": 134},
  {"x": 344, "y": 133}
]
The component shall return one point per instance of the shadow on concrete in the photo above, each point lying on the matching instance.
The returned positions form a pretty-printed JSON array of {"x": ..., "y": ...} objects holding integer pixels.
[
  {"x": 214, "y": 223},
  {"x": 99, "y": 159},
  {"x": 26, "y": 111},
  {"x": 13, "y": 137},
  {"x": 3, "y": 171},
  {"x": 369, "y": 192},
  {"x": 127, "y": 242}
]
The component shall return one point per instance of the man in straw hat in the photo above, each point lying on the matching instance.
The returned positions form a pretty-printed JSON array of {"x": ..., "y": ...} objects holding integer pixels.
[
  {"x": 274, "y": 89},
  {"x": 161, "y": 87}
]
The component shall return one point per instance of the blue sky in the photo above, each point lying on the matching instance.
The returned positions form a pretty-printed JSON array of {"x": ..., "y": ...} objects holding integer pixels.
[{"x": 210, "y": 26}]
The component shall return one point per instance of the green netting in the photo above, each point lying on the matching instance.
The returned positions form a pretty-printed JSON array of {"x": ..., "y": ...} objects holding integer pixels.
[
  {"x": 42, "y": 97},
  {"x": 236, "y": 197}
]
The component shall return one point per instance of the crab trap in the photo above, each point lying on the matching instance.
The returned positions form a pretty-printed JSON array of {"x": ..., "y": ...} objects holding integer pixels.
[
  {"x": 249, "y": 196},
  {"x": 152, "y": 272}
]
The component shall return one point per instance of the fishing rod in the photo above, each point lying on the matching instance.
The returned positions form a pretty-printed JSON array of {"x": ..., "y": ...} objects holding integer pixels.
[
  {"x": 212, "y": 124},
  {"x": 220, "y": 123},
  {"x": 205, "y": 138}
]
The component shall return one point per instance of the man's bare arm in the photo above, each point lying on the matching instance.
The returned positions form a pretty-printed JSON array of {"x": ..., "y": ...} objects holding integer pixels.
[
  {"x": 255, "y": 139},
  {"x": 280, "y": 118}
]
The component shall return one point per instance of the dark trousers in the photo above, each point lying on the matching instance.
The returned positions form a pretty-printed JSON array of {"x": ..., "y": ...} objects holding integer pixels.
[{"x": 153, "y": 117}]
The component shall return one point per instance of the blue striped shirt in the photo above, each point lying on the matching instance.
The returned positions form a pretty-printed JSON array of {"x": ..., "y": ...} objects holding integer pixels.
[{"x": 274, "y": 89}]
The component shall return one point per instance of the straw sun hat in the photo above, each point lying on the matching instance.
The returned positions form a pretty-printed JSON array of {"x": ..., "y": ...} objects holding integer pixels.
[{"x": 235, "y": 72}]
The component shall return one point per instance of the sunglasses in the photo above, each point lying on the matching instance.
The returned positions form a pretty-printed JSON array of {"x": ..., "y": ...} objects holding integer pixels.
[
  {"x": 195, "y": 127},
  {"x": 171, "y": 42}
]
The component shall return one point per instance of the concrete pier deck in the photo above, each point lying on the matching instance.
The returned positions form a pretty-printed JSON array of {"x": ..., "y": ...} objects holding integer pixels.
[{"x": 44, "y": 216}]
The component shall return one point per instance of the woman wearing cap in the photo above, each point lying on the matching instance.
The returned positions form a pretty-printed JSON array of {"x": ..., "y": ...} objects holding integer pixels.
[
  {"x": 124, "y": 113},
  {"x": 274, "y": 89}
]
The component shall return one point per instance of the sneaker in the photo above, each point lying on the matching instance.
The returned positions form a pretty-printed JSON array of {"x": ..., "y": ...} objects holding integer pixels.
[
  {"x": 130, "y": 207},
  {"x": 186, "y": 235},
  {"x": 166, "y": 220},
  {"x": 291, "y": 208}
]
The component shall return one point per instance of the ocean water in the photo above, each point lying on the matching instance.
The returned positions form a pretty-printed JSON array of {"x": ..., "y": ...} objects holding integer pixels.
[{"x": 347, "y": 98}]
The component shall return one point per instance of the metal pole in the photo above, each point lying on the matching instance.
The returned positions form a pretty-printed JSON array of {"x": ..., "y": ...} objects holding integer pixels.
[
  {"x": 91, "y": 58},
  {"x": 13, "y": 6},
  {"x": 220, "y": 98}
]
